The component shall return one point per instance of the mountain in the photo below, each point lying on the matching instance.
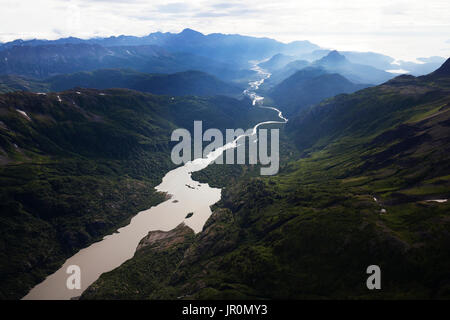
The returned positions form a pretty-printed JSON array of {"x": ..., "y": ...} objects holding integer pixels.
[
  {"x": 234, "y": 50},
  {"x": 40, "y": 42},
  {"x": 383, "y": 62},
  {"x": 278, "y": 75},
  {"x": 178, "y": 84},
  {"x": 276, "y": 62},
  {"x": 43, "y": 61},
  {"x": 334, "y": 62},
  {"x": 376, "y": 60},
  {"x": 307, "y": 87},
  {"x": 442, "y": 72},
  {"x": 361, "y": 192},
  {"x": 230, "y": 48},
  {"x": 77, "y": 164}
]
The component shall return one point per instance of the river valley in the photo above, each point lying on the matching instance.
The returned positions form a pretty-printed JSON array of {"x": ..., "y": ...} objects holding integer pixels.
[{"x": 186, "y": 196}]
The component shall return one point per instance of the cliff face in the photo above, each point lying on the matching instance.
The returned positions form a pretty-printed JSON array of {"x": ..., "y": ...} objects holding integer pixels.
[
  {"x": 157, "y": 256},
  {"x": 163, "y": 261},
  {"x": 165, "y": 240}
]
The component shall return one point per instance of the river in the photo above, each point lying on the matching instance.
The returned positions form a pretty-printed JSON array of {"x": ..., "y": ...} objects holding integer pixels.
[{"x": 187, "y": 196}]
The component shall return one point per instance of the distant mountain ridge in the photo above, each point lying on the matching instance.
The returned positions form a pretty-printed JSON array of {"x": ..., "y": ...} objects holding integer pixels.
[
  {"x": 223, "y": 47},
  {"x": 44, "y": 61},
  {"x": 227, "y": 56},
  {"x": 338, "y": 63},
  {"x": 376, "y": 60},
  {"x": 282, "y": 67}
]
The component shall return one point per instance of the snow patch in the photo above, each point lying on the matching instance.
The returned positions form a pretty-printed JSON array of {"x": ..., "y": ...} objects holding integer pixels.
[
  {"x": 23, "y": 113},
  {"x": 438, "y": 200}
]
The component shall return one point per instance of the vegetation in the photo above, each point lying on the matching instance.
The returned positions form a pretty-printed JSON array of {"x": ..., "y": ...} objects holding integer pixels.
[
  {"x": 9, "y": 83},
  {"x": 76, "y": 165},
  {"x": 312, "y": 230},
  {"x": 178, "y": 84}
]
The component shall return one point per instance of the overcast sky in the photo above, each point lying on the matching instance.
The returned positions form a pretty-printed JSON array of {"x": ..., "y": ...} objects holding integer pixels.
[{"x": 402, "y": 29}]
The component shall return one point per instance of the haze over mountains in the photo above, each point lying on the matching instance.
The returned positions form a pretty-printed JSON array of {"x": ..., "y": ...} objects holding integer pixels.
[
  {"x": 43, "y": 61},
  {"x": 234, "y": 49},
  {"x": 222, "y": 55},
  {"x": 309, "y": 86}
]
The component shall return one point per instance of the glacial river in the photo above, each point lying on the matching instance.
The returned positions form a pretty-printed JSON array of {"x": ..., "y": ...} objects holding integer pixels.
[{"x": 187, "y": 196}]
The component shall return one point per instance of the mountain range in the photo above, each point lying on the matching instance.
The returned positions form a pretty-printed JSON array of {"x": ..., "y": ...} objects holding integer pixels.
[
  {"x": 309, "y": 86},
  {"x": 43, "y": 61},
  {"x": 281, "y": 65},
  {"x": 223, "y": 55},
  {"x": 235, "y": 49}
]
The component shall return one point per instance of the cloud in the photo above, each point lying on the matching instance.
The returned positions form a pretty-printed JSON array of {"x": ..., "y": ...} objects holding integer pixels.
[
  {"x": 175, "y": 7},
  {"x": 225, "y": 5},
  {"x": 395, "y": 8},
  {"x": 211, "y": 14},
  {"x": 243, "y": 12}
]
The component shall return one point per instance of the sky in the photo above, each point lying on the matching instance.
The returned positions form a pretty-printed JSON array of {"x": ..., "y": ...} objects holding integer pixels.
[{"x": 402, "y": 29}]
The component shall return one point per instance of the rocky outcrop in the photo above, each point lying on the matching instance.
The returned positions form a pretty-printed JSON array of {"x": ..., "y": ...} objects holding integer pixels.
[{"x": 164, "y": 240}]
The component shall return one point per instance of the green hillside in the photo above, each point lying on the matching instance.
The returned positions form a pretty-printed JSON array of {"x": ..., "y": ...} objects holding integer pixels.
[
  {"x": 358, "y": 195},
  {"x": 178, "y": 84},
  {"x": 76, "y": 165},
  {"x": 10, "y": 82}
]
